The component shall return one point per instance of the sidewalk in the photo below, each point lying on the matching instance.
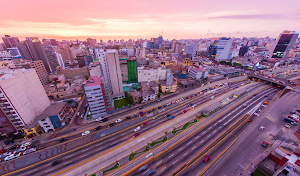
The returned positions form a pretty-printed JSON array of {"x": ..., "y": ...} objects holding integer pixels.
[{"x": 102, "y": 160}]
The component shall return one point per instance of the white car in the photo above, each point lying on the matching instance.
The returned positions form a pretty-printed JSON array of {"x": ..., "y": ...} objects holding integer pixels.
[
  {"x": 99, "y": 119},
  {"x": 261, "y": 128},
  {"x": 29, "y": 151},
  {"x": 26, "y": 144},
  {"x": 212, "y": 97},
  {"x": 119, "y": 120},
  {"x": 21, "y": 149},
  {"x": 288, "y": 125},
  {"x": 168, "y": 104},
  {"x": 12, "y": 156},
  {"x": 85, "y": 133},
  {"x": 78, "y": 113},
  {"x": 194, "y": 106},
  {"x": 137, "y": 129}
]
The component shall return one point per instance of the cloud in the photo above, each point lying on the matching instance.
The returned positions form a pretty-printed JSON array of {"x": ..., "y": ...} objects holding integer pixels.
[{"x": 261, "y": 16}]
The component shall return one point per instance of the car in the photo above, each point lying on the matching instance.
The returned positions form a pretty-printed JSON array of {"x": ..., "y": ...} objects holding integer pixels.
[
  {"x": 55, "y": 162},
  {"x": 21, "y": 149},
  {"x": 206, "y": 158},
  {"x": 150, "y": 172},
  {"x": 29, "y": 151},
  {"x": 78, "y": 113},
  {"x": 99, "y": 119},
  {"x": 141, "y": 114},
  {"x": 111, "y": 125},
  {"x": 136, "y": 134},
  {"x": 98, "y": 128},
  {"x": 254, "y": 94},
  {"x": 128, "y": 117},
  {"x": 270, "y": 98},
  {"x": 275, "y": 90},
  {"x": 155, "y": 117},
  {"x": 191, "y": 96},
  {"x": 244, "y": 105},
  {"x": 190, "y": 104},
  {"x": 288, "y": 125},
  {"x": 164, "y": 106},
  {"x": 212, "y": 97},
  {"x": 144, "y": 123},
  {"x": 293, "y": 112},
  {"x": 159, "y": 99},
  {"x": 167, "y": 115},
  {"x": 104, "y": 119},
  {"x": 169, "y": 104},
  {"x": 82, "y": 116},
  {"x": 137, "y": 129},
  {"x": 63, "y": 139},
  {"x": 184, "y": 111},
  {"x": 6, "y": 154},
  {"x": 41, "y": 147},
  {"x": 194, "y": 106},
  {"x": 261, "y": 128},
  {"x": 144, "y": 167},
  {"x": 265, "y": 103},
  {"x": 139, "y": 108},
  {"x": 172, "y": 117},
  {"x": 119, "y": 120},
  {"x": 13, "y": 147},
  {"x": 264, "y": 144},
  {"x": 26, "y": 144},
  {"x": 266, "y": 95},
  {"x": 2, "y": 150},
  {"x": 86, "y": 133},
  {"x": 12, "y": 156}
]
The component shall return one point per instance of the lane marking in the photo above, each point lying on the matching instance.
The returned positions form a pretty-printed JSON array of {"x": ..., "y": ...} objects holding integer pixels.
[
  {"x": 180, "y": 148},
  {"x": 113, "y": 143},
  {"x": 163, "y": 169},
  {"x": 197, "y": 137},
  {"x": 83, "y": 156},
  {"x": 208, "y": 136},
  {"x": 203, "y": 132},
  {"x": 194, "y": 147},
  {"x": 99, "y": 149},
  {"x": 158, "y": 162},
  {"x": 123, "y": 134},
  {"x": 146, "y": 171},
  {"x": 220, "y": 127},
  {"x": 67, "y": 162},
  {"x": 215, "y": 124},
  {"x": 175, "y": 161},
  {"x": 214, "y": 131},
  {"x": 201, "y": 141},
  {"x": 99, "y": 144},
  {"x": 209, "y": 128},
  {"x": 111, "y": 139},
  {"x": 49, "y": 170},
  {"x": 188, "y": 143},
  {"x": 186, "y": 153},
  {"x": 170, "y": 155},
  {"x": 84, "y": 150},
  {"x": 125, "y": 137},
  {"x": 149, "y": 155},
  {"x": 32, "y": 171},
  {"x": 69, "y": 156}
]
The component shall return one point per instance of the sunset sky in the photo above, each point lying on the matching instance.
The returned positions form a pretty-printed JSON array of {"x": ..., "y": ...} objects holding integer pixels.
[{"x": 116, "y": 19}]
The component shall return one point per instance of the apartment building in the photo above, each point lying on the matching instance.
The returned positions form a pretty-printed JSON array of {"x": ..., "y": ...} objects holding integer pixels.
[
  {"x": 95, "y": 97},
  {"x": 22, "y": 98},
  {"x": 151, "y": 74},
  {"x": 40, "y": 71}
]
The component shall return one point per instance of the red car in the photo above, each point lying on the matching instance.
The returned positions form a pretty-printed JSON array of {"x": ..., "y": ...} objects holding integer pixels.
[
  {"x": 275, "y": 90},
  {"x": 198, "y": 92},
  {"x": 184, "y": 111},
  {"x": 2, "y": 150},
  {"x": 206, "y": 158},
  {"x": 141, "y": 114},
  {"x": 144, "y": 123},
  {"x": 136, "y": 134},
  {"x": 244, "y": 106},
  {"x": 254, "y": 94}
]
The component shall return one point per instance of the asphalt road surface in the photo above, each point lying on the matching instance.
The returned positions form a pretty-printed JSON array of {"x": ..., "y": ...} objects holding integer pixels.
[{"x": 90, "y": 150}]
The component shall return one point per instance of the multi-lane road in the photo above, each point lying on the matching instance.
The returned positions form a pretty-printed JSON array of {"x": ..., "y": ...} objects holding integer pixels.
[
  {"x": 186, "y": 150},
  {"x": 90, "y": 147}
]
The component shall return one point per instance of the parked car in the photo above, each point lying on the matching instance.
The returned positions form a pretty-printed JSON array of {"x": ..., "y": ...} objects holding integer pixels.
[
  {"x": 293, "y": 112},
  {"x": 136, "y": 134},
  {"x": 119, "y": 120},
  {"x": 99, "y": 119},
  {"x": 288, "y": 125},
  {"x": 137, "y": 129},
  {"x": 63, "y": 139},
  {"x": 206, "y": 158},
  {"x": 14, "y": 147},
  {"x": 159, "y": 99},
  {"x": 41, "y": 147},
  {"x": 261, "y": 128},
  {"x": 264, "y": 144},
  {"x": 29, "y": 151},
  {"x": 86, "y": 133},
  {"x": 21, "y": 149},
  {"x": 26, "y": 144}
]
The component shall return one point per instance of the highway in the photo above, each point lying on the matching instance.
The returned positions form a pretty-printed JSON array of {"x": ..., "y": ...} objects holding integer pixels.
[
  {"x": 170, "y": 160},
  {"x": 88, "y": 150}
]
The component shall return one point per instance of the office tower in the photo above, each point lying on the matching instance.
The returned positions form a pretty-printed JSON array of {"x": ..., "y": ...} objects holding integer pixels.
[
  {"x": 22, "y": 98},
  {"x": 24, "y": 51},
  {"x": 114, "y": 71},
  {"x": 191, "y": 49},
  {"x": 159, "y": 41},
  {"x": 223, "y": 48},
  {"x": 10, "y": 41},
  {"x": 107, "y": 88},
  {"x": 284, "y": 44},
  {"x": 95, "y": 97},
  {"x": 51, "y": 57},
  {"x": 37, "y": 52},
  {"x": 40, "y": 71}
]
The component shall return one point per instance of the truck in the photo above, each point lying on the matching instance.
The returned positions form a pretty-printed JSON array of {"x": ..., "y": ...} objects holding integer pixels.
[{"x": 289, "y": 121}]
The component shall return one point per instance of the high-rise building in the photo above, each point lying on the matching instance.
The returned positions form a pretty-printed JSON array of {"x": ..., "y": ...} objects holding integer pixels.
[
  {"x": 66, "y": 53},
  {"x": 91, "y": 42},
  {"x": 24, "y": 51},
  {"x": 95, "y": 96},
  {"x": 191, "y": 49},
  {"x": 37, "y": 52},
  {"x": 60, "y": 60},
  {"x": 115, "y": 72},
  {"x": 40, "y": 71},
  {"x": 22, "y": 98},
  {"x": 284, "y": 44},
  {"x": 10, "y": 41},
  {"x": 159, "y": 41},
  {"x": 80, "y": 59},
  {"x": 51, "y": 57},
  {"x": 223, "y": 49}
]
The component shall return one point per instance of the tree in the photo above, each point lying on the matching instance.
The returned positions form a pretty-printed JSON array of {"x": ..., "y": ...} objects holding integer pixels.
[
  {"x": 128, "y": 97},
  {"x": 222, "y": 62},
  {"x": 158, "y": 94},
  {"x": 141, "y": 99}
]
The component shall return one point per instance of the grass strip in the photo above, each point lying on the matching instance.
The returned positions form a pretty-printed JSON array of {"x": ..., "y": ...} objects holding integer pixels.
[
  {"x": 152, "y": 144},
  {"x": 114, "y": 167},
  {"x": 184, "y": 126}
]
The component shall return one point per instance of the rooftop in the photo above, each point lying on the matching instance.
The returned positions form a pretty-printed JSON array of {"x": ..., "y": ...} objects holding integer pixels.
[{"x": 93, "y": 81}]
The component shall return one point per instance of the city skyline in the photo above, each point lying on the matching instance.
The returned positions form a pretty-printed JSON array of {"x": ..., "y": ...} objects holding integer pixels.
[{"x": 145, "y": 19}]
